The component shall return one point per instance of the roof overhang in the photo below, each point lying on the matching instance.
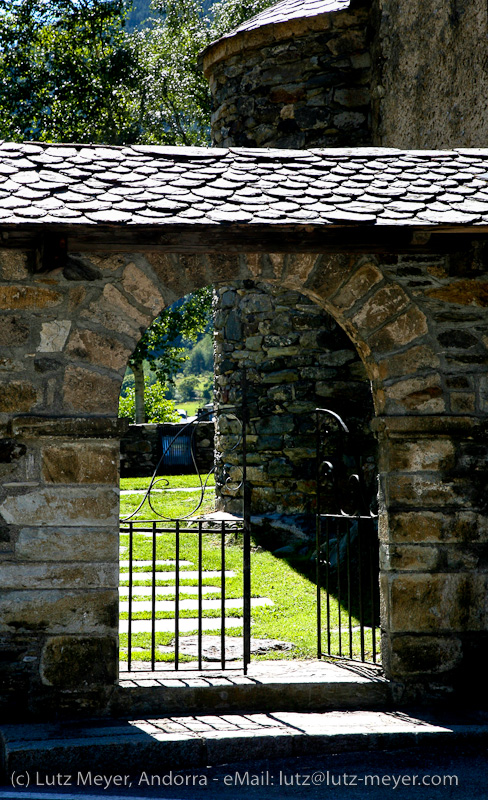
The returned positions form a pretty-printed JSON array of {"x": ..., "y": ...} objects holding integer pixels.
[
  {"x": 244, "y": 238},
  {"x": 196, "y": 200}
]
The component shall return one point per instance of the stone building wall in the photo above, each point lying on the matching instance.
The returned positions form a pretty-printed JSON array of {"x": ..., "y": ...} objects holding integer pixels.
[
  {"x": 430, "y": 88},
  {"x": 427, "y": 88},
  {"x": 297, "y": 359},
  {"x": 295, "y": 88},
  {"x": 398, "y": 73}
]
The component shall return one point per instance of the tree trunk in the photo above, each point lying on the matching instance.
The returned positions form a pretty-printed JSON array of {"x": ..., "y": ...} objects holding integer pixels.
[{"x": 139, "y": 393}]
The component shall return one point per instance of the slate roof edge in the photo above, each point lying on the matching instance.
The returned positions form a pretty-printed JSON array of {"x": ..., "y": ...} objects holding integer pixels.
[
  {"x": 270, "y": 33},
  {"x": 207, "y": 189}
]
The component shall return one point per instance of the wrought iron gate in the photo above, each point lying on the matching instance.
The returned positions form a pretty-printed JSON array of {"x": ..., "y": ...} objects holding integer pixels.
[
  {"x": 145, "y": 576},
  {"x": 346, "y": 546},
  {"x": 154, "y": 585}
]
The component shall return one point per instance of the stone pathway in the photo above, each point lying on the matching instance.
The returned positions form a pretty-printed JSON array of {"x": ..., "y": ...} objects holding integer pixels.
[
  {"x": 160, "y": 562},
  {"x": 192, "y": 605},
  {"x": 186, "y": 624},
  {"x": 191, "y": 574},
  {"x": 162, "y": 590},
  {"x": 234, "y": 646}
]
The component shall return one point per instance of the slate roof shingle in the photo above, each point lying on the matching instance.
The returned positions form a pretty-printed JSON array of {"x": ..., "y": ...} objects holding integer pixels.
[
  {"x": 151, "y": 185},
  {"x": 288, "y": 10}
]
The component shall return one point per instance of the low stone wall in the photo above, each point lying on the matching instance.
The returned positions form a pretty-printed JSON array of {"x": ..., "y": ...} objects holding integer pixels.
[{"x": 141, "y": 449}]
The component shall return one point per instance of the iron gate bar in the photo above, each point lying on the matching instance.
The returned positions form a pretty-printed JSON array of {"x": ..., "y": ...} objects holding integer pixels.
[
  {"x": 177, "y": 595},
  {"x": 339, "y": 607},
  {"x": 153, "y": 599},
  {"x": 129, "y": 627},
  {"x": 360, "y": 582},
  {"x": 338, "y": 547},
  {"x": 191, "y": 525},
  {"x": 151, "y": 527},
  {"x": 318, "y": 512},
  {"x": 344, "y": 536},
  {"x": 348, "y": 561},
  {"x": 200, "y": 592},
  {"x": 222, "y": 594},
  {"x": 327, "y": 550},
  {"x": 246, "y": 577},
  {"x": 373, "y": 605}
]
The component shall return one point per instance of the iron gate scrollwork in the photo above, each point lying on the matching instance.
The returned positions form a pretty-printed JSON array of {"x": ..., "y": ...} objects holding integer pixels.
[
  {"x": 346, "y": 545},
  {"x": 182, "y": 448}
]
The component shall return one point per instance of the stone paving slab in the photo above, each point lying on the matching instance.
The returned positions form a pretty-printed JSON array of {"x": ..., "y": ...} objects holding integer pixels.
[
  {"x": 129, "y": 746},
  {"x": 165, "y": 561},
  {"x": 185, "y": 624},
  {"x": 146, "y": 590},
  {"x": 189, "y": 574},
  {"x": 192, "y": 605}
]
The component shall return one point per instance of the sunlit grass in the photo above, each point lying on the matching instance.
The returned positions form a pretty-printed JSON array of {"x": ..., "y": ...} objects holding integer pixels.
[
  {"x": 170, "y": 505},
  {"x": 173, "y": 482}
]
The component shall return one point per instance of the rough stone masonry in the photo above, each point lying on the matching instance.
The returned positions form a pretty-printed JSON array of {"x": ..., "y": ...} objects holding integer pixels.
[{"x": 95, "y": 241}]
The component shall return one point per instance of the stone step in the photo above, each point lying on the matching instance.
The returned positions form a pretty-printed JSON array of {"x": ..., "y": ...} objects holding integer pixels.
[
  {"x": 191, "y": 605},
  {"x": 284, "y": 685},
  {"x": 82, "y": 750}
]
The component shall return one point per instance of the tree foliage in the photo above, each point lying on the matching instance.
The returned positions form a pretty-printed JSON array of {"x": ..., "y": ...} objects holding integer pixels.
[
  {"x": 157, "y": 407},
  {"x": 71, "y": 72},
  {"x": 161, "y": 346},
  {"x": 177, "y": 98},
  {"x": 68, "y": 72},
  {"x": 177, "y": 103}
]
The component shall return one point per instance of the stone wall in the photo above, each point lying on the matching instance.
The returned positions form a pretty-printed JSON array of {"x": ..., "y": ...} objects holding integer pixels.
[
  {"x": 296, "y": 88},
  {"x": 430, "y": 88},
  {"x": 420, "y": 324},
  {"x": 297, "y": 359},
  {"x": 141, "y": 450},
  {"x": 399, "y": 73}
]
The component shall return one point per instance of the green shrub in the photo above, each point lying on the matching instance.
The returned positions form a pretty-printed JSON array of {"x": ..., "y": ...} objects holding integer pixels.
[{"x": 158, "y": 407}]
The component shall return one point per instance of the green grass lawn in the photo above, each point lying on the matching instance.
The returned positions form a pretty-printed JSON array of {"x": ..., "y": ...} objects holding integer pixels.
[
  {"x": 171, "y": 481},
  {"x": 190, "y": 406},
  {"x": 291, "y": 618}
]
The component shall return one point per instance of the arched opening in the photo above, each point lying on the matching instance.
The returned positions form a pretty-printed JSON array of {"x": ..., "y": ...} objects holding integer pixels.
[
  {"x": 418, "y": 447},
  {"x": 287, "y": 377}
]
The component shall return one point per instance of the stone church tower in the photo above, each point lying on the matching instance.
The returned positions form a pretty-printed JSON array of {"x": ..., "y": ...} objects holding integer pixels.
[{"x": 395, "y": 73}]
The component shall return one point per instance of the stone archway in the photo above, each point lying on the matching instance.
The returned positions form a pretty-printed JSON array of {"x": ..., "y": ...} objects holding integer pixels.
[{"x": 66, "y": 343}]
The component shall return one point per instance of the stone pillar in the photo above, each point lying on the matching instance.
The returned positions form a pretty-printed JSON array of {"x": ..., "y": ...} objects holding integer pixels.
[
  {"x": 434, "y": 549},
  {"x": 59, "y": 600}
]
